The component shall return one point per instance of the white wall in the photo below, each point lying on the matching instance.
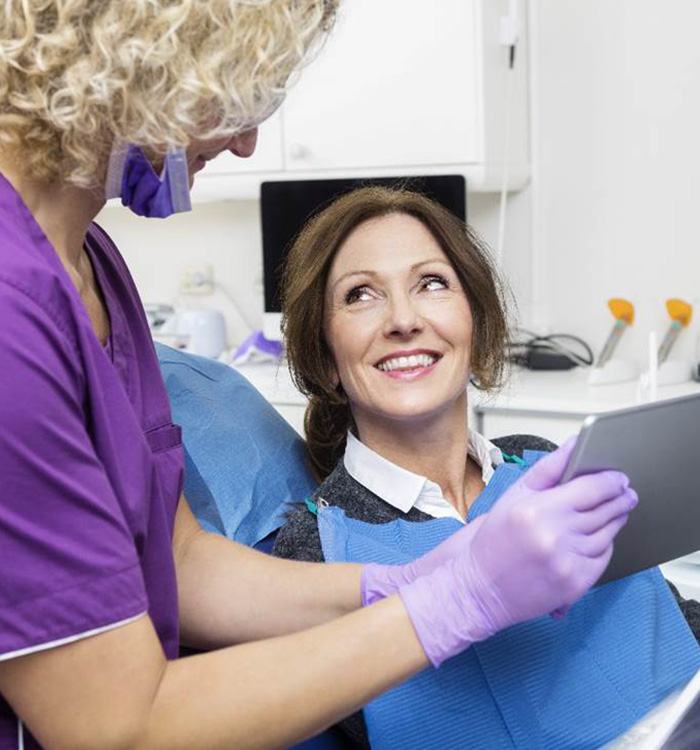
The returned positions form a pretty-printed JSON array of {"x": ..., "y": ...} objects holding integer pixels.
[
  {"x": 516, "y": 265},
  {"x": 224, "y": 235},
  {"x": 227, "y": 236},
  {"x": 616, "y": 97}
]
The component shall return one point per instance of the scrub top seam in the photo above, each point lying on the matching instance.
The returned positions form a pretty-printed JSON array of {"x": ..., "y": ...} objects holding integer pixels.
[
  {"x": 81, "y": 631},
  {"x": 97, "y": 250},
  {"x": 57, "y": 642}
]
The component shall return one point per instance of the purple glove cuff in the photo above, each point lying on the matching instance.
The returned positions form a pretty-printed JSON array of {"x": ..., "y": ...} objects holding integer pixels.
[
  {"x": 446, "y": 620},
  {"x": 379, "y": 581}
]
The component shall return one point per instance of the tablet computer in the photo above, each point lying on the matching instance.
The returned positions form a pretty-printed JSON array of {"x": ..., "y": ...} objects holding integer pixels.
[{"x": 658, "y": 446}]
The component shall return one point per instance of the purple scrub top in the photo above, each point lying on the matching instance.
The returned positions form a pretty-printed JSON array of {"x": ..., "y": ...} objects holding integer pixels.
[{"x": 90, "y": 462}]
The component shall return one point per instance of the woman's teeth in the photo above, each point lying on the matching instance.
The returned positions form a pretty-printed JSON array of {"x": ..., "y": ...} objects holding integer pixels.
[{"x": 407, "y": 363}]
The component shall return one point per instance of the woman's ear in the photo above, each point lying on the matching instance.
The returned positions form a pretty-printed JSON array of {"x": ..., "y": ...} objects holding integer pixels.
[
  {"x": 333, "y": 377},
  {"x": 331, "y": 371},
  {"x": 333, "y": 380}
]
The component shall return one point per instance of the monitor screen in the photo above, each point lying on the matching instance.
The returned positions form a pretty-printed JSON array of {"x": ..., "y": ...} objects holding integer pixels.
[{"x": 286, "y": 206}]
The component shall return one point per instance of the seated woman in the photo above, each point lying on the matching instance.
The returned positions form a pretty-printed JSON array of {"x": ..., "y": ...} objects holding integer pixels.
[{"x": 391, "y": 307}]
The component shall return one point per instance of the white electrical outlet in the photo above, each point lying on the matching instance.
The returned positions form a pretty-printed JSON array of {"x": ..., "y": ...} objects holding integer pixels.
[{"x": 198, "y": 280}]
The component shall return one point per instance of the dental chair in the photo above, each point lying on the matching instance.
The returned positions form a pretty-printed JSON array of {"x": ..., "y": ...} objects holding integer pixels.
[{"x": 244, "y": 465}]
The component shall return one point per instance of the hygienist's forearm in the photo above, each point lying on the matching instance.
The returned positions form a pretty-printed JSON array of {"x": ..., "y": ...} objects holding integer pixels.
[
  {"x": 273, "y": 693},
  {"x": 229, "y": 593},
  {"x": 115, "y": 690}
]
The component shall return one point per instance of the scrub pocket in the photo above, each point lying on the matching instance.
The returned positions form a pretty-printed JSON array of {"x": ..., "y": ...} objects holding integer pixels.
[{"x": 168, "y": 474}]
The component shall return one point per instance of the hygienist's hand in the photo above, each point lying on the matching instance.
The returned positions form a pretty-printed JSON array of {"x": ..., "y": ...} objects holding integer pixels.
[
  {"x": 540, "y": 548},
  {"x": 380, "y": 581}
]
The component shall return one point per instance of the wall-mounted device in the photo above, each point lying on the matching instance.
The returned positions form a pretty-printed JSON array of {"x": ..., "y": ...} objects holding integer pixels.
[
  {"x": 673, "y": 371},
  {"x": 609, "y": 369},
  {"x": 285, "y": 206}
]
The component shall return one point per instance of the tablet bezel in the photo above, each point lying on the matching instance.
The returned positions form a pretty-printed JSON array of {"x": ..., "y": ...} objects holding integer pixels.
[{"x": 658, "y": 446}]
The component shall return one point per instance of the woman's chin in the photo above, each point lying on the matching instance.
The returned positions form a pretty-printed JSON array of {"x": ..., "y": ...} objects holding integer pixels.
[
  {"x": 413, "y": 413},
  {"x": 421, "y": 411}
]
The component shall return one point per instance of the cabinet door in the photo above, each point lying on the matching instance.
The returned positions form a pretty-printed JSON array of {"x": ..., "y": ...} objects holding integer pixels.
[
  {"x": 267, "y": 156},
  {"x": 395, "y": 85},
  {"x": 557, "y": 428}
]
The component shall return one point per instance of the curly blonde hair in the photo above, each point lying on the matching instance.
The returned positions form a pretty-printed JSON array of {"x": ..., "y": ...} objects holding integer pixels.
[{"x": 76, "y": 74}]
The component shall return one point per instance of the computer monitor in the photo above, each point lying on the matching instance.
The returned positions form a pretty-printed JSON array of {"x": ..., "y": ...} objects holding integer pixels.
[{"x": 287, "y": 205}]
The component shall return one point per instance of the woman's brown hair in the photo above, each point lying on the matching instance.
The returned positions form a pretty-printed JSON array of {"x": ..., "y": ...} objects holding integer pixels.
[{"x": 328, "y": 416}]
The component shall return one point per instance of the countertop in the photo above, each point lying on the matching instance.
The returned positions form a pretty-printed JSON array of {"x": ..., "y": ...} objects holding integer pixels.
[{"x": 567, "y": 393}]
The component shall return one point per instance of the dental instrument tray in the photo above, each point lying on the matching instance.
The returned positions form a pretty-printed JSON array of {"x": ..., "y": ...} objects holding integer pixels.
[{"x": 657, "y": 445}]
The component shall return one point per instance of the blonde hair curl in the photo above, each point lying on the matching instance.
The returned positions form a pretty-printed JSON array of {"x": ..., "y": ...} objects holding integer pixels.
[{"x": 76, "y": 74}]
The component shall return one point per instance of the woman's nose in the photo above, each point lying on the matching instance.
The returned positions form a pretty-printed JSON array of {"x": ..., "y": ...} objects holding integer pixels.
[
  {"x": 402, "y": 319},
  {"x": 243, "y": 144}
]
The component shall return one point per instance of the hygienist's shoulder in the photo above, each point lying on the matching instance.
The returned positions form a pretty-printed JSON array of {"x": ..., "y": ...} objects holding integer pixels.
[{"x": 33, "y": 283}]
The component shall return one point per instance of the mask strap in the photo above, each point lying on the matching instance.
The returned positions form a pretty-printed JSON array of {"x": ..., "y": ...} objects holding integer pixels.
[
  {"x": 115, "y": 169},
  {"x": 178, "y": 177}
]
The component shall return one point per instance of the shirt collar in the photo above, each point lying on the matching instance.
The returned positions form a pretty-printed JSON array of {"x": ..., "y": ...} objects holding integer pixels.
[
  {"x": 394, "y": 484},
  {"x": 485, "y": 453},
  {"x": 402, "y": 488}
]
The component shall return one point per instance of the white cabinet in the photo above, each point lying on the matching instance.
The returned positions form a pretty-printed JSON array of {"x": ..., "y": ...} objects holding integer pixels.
[
  {"x": 395, "y": 85},
  {"x": 555, "y": 427},
  {"x": 275, "y": 384},
  {"x": 400, "y": 87}
]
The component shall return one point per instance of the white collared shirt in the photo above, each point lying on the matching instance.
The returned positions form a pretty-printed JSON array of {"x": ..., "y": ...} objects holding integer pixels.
[{"x": 405, "y": 490}]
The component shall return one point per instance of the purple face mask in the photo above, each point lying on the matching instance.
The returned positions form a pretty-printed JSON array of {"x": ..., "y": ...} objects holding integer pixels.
[{"x": 131, "y": 177}]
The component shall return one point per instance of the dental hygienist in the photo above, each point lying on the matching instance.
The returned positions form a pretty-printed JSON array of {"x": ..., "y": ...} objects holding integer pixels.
[{"x": 103, "y": 569}]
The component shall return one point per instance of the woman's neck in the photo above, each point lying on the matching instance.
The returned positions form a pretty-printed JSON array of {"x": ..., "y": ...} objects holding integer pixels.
[
  {"x": 64, "y": 212},
  {"x": 435, "y": 447}
]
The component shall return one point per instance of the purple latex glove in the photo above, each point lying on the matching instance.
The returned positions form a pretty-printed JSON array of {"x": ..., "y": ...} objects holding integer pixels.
[
  {"x": 379, "y": 581},
  {"x": 539, "y": 549}
]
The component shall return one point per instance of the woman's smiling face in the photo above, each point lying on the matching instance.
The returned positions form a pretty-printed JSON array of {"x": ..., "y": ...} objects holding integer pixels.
[{"x": 397, "y": 322}]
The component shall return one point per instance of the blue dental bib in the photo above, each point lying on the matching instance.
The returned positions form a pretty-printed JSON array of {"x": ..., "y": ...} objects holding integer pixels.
[{"x": 571, "y": 684}]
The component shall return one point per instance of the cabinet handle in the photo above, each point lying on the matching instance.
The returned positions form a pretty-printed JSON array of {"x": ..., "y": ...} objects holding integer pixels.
[{"x": 299, "y": 151}]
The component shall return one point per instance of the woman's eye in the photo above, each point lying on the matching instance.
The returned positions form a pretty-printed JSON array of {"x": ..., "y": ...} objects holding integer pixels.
[
  {"x": 357, "y": 294},
  {"x": 434, "y": 282}
]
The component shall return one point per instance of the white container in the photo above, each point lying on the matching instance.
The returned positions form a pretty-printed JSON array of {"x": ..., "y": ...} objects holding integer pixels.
[
  {"x": 674, "y": 371},
  {"x": 203, "y": 330}
]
